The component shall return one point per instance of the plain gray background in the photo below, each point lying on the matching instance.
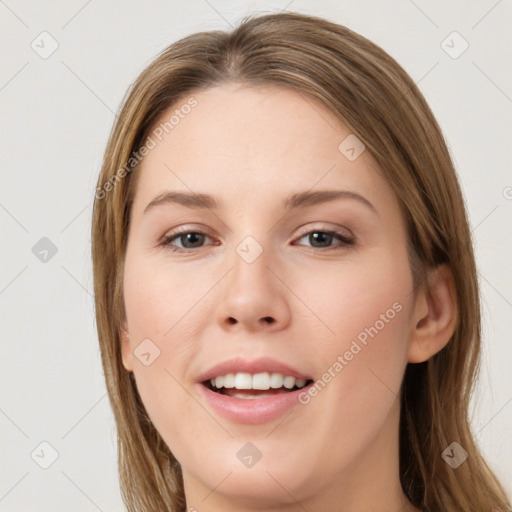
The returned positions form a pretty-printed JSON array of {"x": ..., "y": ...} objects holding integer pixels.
[{"x": 56, "y": 115}]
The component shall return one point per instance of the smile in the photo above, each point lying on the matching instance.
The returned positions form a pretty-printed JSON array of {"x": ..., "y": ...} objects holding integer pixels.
[{"x": 259, "y": 381}]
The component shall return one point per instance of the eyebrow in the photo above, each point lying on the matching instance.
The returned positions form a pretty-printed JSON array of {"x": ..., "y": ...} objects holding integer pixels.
[{"x": 295, "y": 201}]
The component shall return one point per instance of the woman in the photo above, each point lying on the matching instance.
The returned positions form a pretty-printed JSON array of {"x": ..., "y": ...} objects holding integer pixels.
[{"x": 286, "y": 293}]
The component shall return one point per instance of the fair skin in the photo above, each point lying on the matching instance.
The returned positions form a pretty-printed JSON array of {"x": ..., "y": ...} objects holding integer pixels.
[{"x": 250, "y": 148}]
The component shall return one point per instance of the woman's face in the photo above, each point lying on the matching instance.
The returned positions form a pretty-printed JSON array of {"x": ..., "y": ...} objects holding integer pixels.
[{"x": 261, "y": 286}]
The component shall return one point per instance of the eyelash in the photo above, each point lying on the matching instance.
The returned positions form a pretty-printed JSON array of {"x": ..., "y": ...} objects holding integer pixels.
[{"x": 346, "y": 241}]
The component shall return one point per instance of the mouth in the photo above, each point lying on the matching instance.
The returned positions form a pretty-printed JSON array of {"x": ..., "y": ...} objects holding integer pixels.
[
  {"x": 253, "y": 391},
  {"x": 247, "y": 386}
]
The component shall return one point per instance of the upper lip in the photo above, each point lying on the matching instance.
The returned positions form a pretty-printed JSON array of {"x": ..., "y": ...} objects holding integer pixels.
[{"x": 261, "y": 365}]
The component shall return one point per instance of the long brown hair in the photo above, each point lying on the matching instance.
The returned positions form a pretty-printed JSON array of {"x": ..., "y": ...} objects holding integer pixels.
[{"x": 376, "y": 99}]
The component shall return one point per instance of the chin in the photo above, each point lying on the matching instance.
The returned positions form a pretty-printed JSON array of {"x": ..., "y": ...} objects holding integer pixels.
[{"x": 266, "y": 486}]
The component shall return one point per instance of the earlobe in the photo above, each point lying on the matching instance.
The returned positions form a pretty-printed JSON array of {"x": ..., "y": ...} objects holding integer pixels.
[
  {"x": 435, "y": 315},
  {"x": 126, "y": 348}
]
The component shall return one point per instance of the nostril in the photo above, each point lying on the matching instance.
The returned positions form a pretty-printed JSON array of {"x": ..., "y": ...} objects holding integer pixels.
[{"x": 269, "y": 319}]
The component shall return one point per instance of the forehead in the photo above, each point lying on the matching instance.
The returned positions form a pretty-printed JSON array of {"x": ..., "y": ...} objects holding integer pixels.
[
  {"x": 253, "y": 140},
  {"x": 256, "y": 122}
]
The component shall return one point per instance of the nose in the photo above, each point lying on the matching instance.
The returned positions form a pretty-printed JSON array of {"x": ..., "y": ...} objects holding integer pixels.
[{"x": 254, "y": 297}]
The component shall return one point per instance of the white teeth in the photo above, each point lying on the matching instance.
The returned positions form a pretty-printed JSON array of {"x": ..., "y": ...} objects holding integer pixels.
[
  {"x": 261, "y": 381},
  {"x": 229, "y": 380},
  {"x": 276, "y": 381},
  {"x": 242, "y": 381},
  {"x": 289, "y": 382},
  {"x": 300, "y": 383}
]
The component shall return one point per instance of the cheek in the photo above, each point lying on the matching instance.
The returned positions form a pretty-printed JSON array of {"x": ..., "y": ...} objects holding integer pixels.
[
  {"x": 162, "y": 312},
  {"x": 362, "y": 349},
  {"x": 155, "y": 297},
  {"x": 364, "y": 300}
]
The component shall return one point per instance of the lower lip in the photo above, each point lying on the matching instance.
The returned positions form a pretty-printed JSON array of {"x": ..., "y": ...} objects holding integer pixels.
[{"x": 252, "y": 411}]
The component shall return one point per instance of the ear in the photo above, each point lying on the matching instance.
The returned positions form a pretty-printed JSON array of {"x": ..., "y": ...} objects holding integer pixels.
[
  {"x": 434, "y": 316},
  {"x": 126, "y": 348}
]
